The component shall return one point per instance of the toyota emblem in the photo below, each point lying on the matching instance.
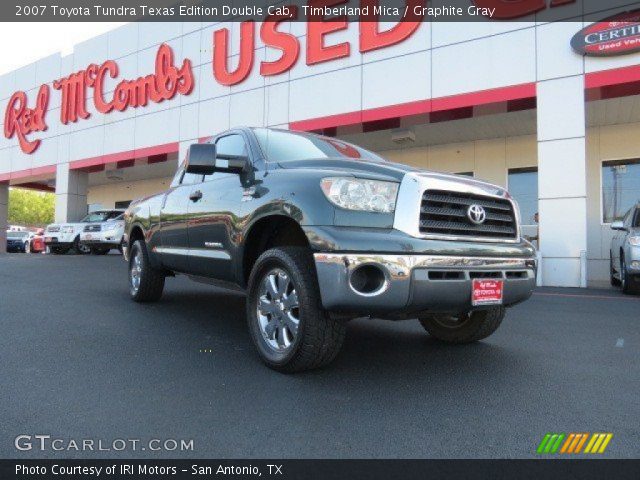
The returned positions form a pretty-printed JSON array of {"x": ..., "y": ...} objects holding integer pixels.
[{"x": 476, "y": 214}]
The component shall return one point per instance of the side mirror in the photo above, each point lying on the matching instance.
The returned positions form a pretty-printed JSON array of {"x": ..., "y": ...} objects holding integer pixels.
[
  {"x": 231, "y": 163},
  {"x": 618, "y": 225},
  {"x": 201, "y": 159}
]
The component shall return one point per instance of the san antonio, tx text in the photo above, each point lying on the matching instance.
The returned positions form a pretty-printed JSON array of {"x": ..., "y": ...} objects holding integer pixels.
[{"x": 252, "y": 11}]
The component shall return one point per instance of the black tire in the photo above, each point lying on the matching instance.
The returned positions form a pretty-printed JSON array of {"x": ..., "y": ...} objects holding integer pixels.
[
  {"x": 80, "y": 249},
  {"x": 466, "y": 328},
  {"x": 319, "y": 338},
  {"x": 151, "y": 280},
  {"x": 99, "y": 250},
  {"x": 614, "y": 281},
  {"x": 58, "y": 250},
  {"x": 27, "y": 247},
  {"x": 630, "y": 283}
]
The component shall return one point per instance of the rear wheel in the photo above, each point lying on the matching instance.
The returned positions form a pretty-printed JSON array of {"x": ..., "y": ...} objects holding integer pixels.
[
  {"x": 145, "y": 282},
  {"x": 630, "y": 283},
  {"x": 288, "y": 326},
  {"x": 464, "y": 328}
]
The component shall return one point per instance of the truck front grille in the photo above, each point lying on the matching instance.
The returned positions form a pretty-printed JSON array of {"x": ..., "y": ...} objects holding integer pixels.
[
  {"x": 444, "y": 213},
  {"x": 92, "y": 228},
  {"x": 53, "y": 229}
]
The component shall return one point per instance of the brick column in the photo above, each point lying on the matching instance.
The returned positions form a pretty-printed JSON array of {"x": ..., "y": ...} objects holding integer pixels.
[
  {"x": 71, "y": 194},
  {"x": 562, "y": 185}
]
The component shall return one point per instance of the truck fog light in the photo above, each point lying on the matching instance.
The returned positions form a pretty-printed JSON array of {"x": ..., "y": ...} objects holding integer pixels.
[
  {"x": 635, "y": 264},
  {"x": 368, "y": 280}
]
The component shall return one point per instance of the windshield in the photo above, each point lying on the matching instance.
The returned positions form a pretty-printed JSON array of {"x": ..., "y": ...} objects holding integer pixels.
[
  {"x": 17, "y": 234},
  {"x": 283, "y": 146},
  {"x": 95, "y": 217}
]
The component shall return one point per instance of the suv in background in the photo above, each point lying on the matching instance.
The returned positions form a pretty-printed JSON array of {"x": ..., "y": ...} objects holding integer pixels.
[
  {"x": 625, "y": 252},
  {"x": 62, "y": 237},
  {"x": 102, "y": 237}
]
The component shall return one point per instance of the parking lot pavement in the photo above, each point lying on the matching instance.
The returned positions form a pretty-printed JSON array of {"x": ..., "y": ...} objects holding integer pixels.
[{"x": 80, "y": 360}]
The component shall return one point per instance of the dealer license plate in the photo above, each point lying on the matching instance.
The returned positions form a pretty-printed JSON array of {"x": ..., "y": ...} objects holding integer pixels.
[{"x": 487, "y": 292}]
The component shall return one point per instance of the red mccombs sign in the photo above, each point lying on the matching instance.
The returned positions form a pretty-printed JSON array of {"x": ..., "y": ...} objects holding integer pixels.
[
  {"x": 617, "y": 35},
  {"x": 168, "y": 80}
]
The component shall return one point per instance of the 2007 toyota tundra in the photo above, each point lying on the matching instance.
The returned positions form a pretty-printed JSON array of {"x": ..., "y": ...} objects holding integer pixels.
[{"x": 318, "y": 231}]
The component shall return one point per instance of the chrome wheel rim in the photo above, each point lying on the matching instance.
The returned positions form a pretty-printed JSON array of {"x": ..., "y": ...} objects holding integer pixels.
[
  {"x": 135, "y": 271},
  {"x": 278, "y": 310}
]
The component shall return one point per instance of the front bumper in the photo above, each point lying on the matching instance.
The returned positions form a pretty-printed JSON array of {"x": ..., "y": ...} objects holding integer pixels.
[
  {"x": 111, "y": 239},
  {"x": 419, "y": 283},
  {"x": 633, "y": 259}
]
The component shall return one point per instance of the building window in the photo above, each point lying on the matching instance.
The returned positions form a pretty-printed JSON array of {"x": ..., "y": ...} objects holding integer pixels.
[
  {"x": 122, "y": 204},
  {"x": 465, "y": 174},
  {"x": 620, "y": 188},
  {"x": 523, "y": 187}
]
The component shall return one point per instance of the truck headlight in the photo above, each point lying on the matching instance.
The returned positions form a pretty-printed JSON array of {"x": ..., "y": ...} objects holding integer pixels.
[
  {"x": 361, "y": 194},
  {"x": 635, "y": 241}
]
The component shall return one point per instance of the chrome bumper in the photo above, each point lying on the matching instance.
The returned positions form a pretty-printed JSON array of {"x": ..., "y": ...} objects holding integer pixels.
[{"x": 419, "y": 283}]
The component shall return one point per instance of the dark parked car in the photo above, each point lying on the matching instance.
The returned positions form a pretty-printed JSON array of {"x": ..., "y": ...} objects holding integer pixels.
[
  {"x": 18, "y": 241},
  {"x": 625, "y": 252},
  {"x": 318, "y": 231}
]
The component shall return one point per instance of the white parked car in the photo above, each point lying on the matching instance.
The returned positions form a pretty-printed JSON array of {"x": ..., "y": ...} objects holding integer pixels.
[
  {"x": 62, "y": 237},
  {"x": 102, "y": 237}
]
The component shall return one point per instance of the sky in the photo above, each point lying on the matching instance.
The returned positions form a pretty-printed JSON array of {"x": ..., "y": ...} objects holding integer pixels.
[{"x": 25, "y": 46}]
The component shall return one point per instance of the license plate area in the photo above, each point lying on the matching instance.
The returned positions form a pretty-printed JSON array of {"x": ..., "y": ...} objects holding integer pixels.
[{"x": 487, "y": 292}]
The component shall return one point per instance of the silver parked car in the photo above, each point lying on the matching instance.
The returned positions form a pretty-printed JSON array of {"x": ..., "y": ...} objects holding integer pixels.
[{"x": 625, "y": 251}]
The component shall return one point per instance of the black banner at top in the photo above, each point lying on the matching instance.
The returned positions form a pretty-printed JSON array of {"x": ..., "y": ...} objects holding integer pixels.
[{"x": 302, "y": 10}]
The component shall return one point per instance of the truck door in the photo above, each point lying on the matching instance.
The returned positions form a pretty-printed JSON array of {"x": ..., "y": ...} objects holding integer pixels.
[
  {"x": 214, "y": 217},
  {"x": 174, "y": 240}
]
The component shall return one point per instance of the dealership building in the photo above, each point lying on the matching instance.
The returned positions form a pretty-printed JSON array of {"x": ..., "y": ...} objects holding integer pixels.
[{"x": 511, "y": 102}]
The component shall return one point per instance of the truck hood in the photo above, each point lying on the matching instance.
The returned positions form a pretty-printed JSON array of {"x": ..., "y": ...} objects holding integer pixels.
[{"x": 385, "y": 171}]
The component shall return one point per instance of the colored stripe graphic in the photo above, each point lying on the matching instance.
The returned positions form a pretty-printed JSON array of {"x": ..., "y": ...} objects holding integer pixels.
[
  {"x": 598, "y": 443},
  {"x": 573, "y": 443},
  {"x": 550, "y": 443}
]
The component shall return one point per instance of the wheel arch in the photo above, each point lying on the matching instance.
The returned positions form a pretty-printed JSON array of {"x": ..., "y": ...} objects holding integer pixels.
[{"x": 268, "y": 231}]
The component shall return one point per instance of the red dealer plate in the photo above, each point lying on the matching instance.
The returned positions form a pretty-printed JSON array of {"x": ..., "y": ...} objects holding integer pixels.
[{"x": 486, "y": 292}]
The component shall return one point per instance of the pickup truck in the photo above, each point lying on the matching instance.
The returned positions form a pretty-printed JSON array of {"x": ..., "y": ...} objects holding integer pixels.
[{"x": 317, "y": 231}]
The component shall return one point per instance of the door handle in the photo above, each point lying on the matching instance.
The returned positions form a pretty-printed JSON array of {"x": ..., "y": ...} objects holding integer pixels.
[{"x": 195, "y": 196}]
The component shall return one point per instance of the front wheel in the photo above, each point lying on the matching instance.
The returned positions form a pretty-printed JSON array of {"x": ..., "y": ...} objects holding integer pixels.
[
  {"x": 80, "y": 248},
  {"x": 614, "y": 281},
  {"x": 145, "y": 282},
  {"x": 465, "y": 328},
  {"x": 288, "y": 326},
  {"x": 630, "y": 284}
]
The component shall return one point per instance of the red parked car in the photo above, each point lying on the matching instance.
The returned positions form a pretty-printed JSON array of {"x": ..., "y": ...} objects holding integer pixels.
[{"x": 36, "y": 241}]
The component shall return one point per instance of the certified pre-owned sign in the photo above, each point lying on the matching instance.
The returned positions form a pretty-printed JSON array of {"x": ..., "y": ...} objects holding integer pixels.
[{"x": 617, "y": 35}]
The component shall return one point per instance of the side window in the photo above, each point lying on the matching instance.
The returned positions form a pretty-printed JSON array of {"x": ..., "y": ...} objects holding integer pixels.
[
  {"x": 231, "y": 145},
  {"x": 636, "y": 221}
]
